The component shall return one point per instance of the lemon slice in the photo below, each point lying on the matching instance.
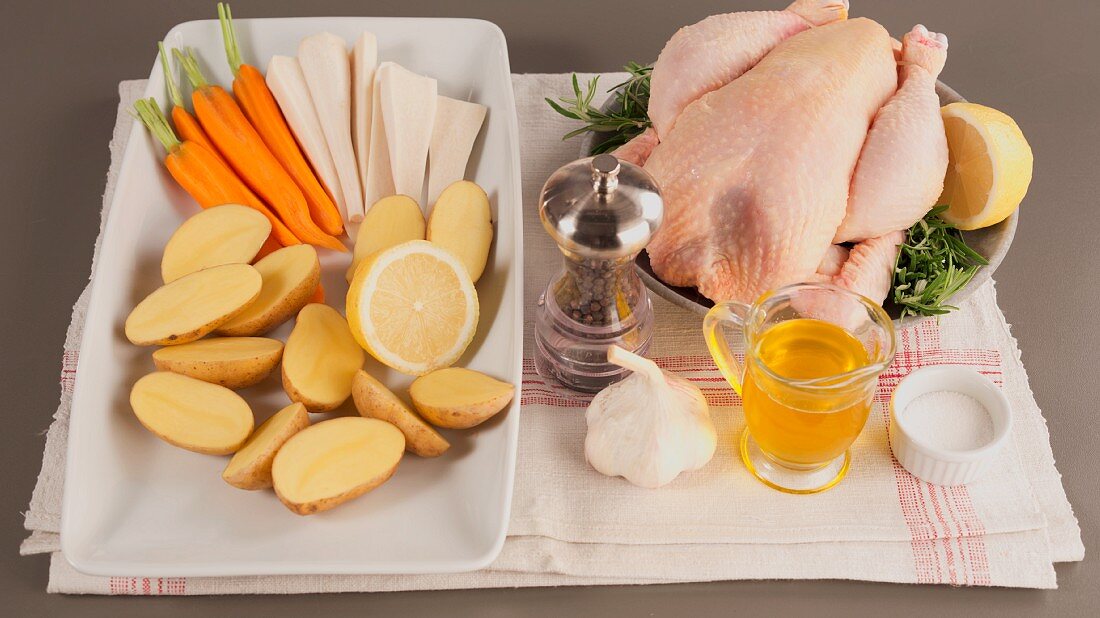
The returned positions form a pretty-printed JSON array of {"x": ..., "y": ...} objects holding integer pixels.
[
  {"x": 989, "y": 166},
  {"x": 413, "y": 307}
]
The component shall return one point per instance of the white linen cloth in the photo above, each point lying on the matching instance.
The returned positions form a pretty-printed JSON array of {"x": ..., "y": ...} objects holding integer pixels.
[{"x": 572, "y": 526}]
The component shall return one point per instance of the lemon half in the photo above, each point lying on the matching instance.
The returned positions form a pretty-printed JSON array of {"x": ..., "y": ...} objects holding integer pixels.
[
  {"x": 989, "y": 166},
  {"x": 413, "y": 307}
]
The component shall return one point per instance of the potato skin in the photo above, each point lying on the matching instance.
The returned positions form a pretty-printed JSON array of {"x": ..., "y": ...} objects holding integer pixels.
[
  {"x": 257, "y": 473},
  {"x": 287, "y": 308},
  {"x": 462, "y": 417},
  {"x": 175, "y": 384},
  {"x": 230, "y": 374},
  {"x": 247, "y": 277},
  {"x": 374, "y": 400},
  {"x": 313, "y": 405},
  {"x": 324, "y": 504},
  {"x": 461, "y": 222},
  {"x": 459, "y": 414},
  {"x": 308, "y": 318},
  {"x": 304, "y": 455}
]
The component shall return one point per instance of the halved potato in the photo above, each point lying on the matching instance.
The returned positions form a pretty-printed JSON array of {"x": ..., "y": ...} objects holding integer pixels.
[
  {"x": 193, "y": 305},
  {"x": 192, "y": 414},
  {"x": 459, "y": 398},
  {"x": 228, "y": 234},
  {"x": 250, "y": 467},
  {"x": 334, "y": 461},
  {"x": 389, "y": 222},
  {"x": 290, "y": 278},
  {"x": 374, "y": 400},
  {"x": 462, "y": 222},
  {"x": 320, "y": 359},
  {"x": 233, "y": 362}
]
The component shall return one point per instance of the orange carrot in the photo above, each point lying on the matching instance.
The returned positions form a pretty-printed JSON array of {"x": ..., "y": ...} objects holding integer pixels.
[
  {"x": 318, "y": 295},
  {"x": 270, "y": 246},
  {"x": 202, "y": 174},
  {"x": 246, "y": 152},
  {"x": 259, "y": 105},
  {"x": 187, "y": 127}
]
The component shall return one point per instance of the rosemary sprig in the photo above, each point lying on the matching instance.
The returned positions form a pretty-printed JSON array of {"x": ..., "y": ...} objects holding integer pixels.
[
  {"x": 630, "y": 119},
  {"x": 933, "y": 264}
]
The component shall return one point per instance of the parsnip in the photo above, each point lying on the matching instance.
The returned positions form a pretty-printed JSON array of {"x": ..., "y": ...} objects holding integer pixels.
[
  {"x": 374, "y": 400},
  {"x": 379, "y": 183},
  {"x": 461, "y": 222},
  {"x": 459, "y": 398},
  {"x": 332, "y": 462},
  {"x": 390, "y": 222},
  {"x": 327, "y": 69},
  {"x": 233, "y": 362},
  {"x": 408, "y": 111},
  {"x": 364, "y": 61},
  {"x": 229, "y": 234},
  {"x": 192, "y": 414},
  {"x": 250, "y": 467},
  {"x": 193, "y": 305},
  {"x": 290, "y": 278},
  {"x": 320, "y": 359},
  {"x": 288, "y": 84},
  {"x": 456, "y": 126}
]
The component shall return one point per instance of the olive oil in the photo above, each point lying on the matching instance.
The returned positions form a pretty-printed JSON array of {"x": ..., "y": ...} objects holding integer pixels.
[{"x": 804, "y": 428}]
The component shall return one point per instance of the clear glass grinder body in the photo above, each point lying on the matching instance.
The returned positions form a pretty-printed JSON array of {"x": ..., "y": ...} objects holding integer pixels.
[{"x": 601, "y": 212}]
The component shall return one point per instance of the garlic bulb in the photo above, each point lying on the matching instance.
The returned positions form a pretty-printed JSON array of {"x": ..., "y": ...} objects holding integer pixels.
[{"x": 649, "y": 427}]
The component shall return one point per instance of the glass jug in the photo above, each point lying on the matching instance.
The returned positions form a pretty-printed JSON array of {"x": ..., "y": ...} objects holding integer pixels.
[{"x": 812, "y": 356}]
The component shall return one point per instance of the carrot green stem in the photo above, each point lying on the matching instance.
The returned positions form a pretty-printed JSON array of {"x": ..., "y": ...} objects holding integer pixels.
[
  {"x": 149, "y": 112},
  {"x": 229, "y": 35},
  {"x": 190, "y": 66},
  {"x": 169, "y": 79}
]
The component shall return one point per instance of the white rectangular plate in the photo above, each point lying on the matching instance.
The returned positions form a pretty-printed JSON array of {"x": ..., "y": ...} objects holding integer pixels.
[{"x": 136, "y": 506}]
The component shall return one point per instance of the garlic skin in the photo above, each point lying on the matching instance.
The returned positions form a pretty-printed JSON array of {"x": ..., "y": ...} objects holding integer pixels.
[{"x": 649, "y": 427}]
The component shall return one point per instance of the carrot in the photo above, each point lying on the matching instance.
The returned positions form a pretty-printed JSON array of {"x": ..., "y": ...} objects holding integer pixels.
[
  {"x": 270, "y": 246},
  {"x": 259, "y": 105},
  {"x": 246, "y": 152},
  {"x": 186, "y": 126},
  {"x": 202, "y": 174}
]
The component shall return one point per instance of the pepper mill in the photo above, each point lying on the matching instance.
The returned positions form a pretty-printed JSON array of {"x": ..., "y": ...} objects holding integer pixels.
[{"x": 601, "y": 212}]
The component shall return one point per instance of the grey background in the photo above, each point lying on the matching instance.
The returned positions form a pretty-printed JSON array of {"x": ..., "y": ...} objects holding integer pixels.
[{"x": 1036, "y": 60}]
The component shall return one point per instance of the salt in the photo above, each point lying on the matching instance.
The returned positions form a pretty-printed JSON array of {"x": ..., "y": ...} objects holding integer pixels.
[{"x": 948, "y": 420}]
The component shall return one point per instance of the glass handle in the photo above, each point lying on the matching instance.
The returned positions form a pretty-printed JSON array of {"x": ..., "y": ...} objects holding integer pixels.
[{"x": 733, "y": 313}]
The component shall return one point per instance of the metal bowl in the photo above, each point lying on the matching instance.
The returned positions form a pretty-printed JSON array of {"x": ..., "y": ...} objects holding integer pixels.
[{"x": 991, "y": 242}]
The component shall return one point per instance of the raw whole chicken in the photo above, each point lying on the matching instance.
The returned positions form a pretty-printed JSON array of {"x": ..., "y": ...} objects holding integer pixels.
[{"x": 777, "y": 134}]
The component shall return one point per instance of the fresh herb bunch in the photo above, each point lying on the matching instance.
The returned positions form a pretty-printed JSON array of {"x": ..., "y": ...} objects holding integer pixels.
[
  {"x": 933, "y": 264},
  {"x": 630, "y": 119}
]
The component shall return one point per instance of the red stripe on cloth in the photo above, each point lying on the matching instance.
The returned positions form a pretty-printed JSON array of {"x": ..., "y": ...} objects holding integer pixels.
[
  {"x": 958, "y": 547},
  {"x": 131, "y": 586}
]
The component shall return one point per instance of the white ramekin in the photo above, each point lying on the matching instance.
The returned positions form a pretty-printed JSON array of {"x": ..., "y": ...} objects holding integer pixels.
[{"x": 934, "y": 464}]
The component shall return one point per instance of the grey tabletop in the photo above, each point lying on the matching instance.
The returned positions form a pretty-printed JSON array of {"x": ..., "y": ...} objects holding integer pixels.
[{"x": 62, "y": 61}]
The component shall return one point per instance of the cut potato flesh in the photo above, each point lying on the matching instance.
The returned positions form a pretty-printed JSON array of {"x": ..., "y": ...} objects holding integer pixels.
[
  {"x": 332, "y": 462},
  {"x": 192, "y": 414},
  {"x": 459, "y": 398},
  {"x": 193, "y": 305},
  {"x": 233, "y": 362},
  {"x": 390, "y": 222},
  {"x": 250, "y": 467},
  {"x": 290, "y": 277},
  {"x": 320, "y": 359},
  {"x": 374, "y": 400},
  {"x": 229, "y": 234},
  {"x": 461, "y": 222}
]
